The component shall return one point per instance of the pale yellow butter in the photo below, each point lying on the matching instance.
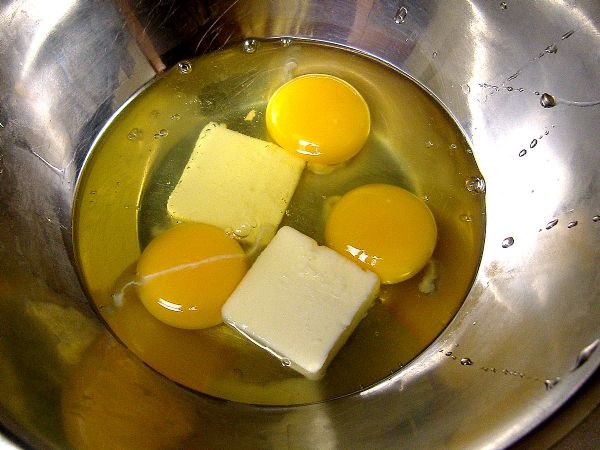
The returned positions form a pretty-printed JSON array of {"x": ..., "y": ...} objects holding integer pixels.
[
  {"x": 300, "y": 301},
  {"x": 238, "y": 183}
]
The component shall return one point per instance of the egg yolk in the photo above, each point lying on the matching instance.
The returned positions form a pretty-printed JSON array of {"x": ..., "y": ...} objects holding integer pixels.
[
  {"x": 320, "y": 117},
  {"x": 186, "y": 274},
  {"x": 385, "y": 229}
]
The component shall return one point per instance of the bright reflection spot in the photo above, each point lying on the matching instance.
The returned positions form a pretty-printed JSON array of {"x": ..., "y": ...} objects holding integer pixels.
[
  {"x": 308, "y": 148},
  {"x": 170, "y": 306},
  {"x": 362, "y": 256}
]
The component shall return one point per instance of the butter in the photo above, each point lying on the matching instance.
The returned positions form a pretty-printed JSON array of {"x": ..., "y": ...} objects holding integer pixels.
[
  {"x": 238, "y": 183},
  {"x": 300, "y": 302}
]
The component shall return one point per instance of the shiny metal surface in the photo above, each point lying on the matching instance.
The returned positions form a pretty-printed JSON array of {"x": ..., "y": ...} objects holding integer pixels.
[{"x": 67, "y": 65}]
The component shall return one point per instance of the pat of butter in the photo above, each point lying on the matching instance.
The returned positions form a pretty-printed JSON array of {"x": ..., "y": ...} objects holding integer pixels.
[
  {"x": 301, "y": 301},
  {"x": 238, "y": 183}
]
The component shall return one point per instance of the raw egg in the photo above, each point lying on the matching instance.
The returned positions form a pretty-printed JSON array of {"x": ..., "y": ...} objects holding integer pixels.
[
  {"x": 320, "y": 117},
  {"x": 385, "y": 229},
  {"x": 186, "y": 274}
]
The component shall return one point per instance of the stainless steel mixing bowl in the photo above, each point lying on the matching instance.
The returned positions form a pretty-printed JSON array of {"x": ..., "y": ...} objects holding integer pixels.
[{"x": 531, "y": 323}]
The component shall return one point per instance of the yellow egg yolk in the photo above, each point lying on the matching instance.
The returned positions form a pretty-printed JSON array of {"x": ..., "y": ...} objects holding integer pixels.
[
  {"x": 320, "y": 117},
  {"x": 385, "y": 229},
  {"x": 186, "y": 274}
]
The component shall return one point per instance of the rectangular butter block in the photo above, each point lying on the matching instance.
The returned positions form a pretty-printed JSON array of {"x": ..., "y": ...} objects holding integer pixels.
[
  {"x": 236, "y": 182},
  {"x": 301, "y": 301}
]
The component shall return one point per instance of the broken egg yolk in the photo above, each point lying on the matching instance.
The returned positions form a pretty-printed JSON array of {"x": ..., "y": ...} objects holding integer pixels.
[
  {"x": 321, "y": 118},
  {"x": 383, "y": 228},
  {"x": 185, "y": 275}
]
